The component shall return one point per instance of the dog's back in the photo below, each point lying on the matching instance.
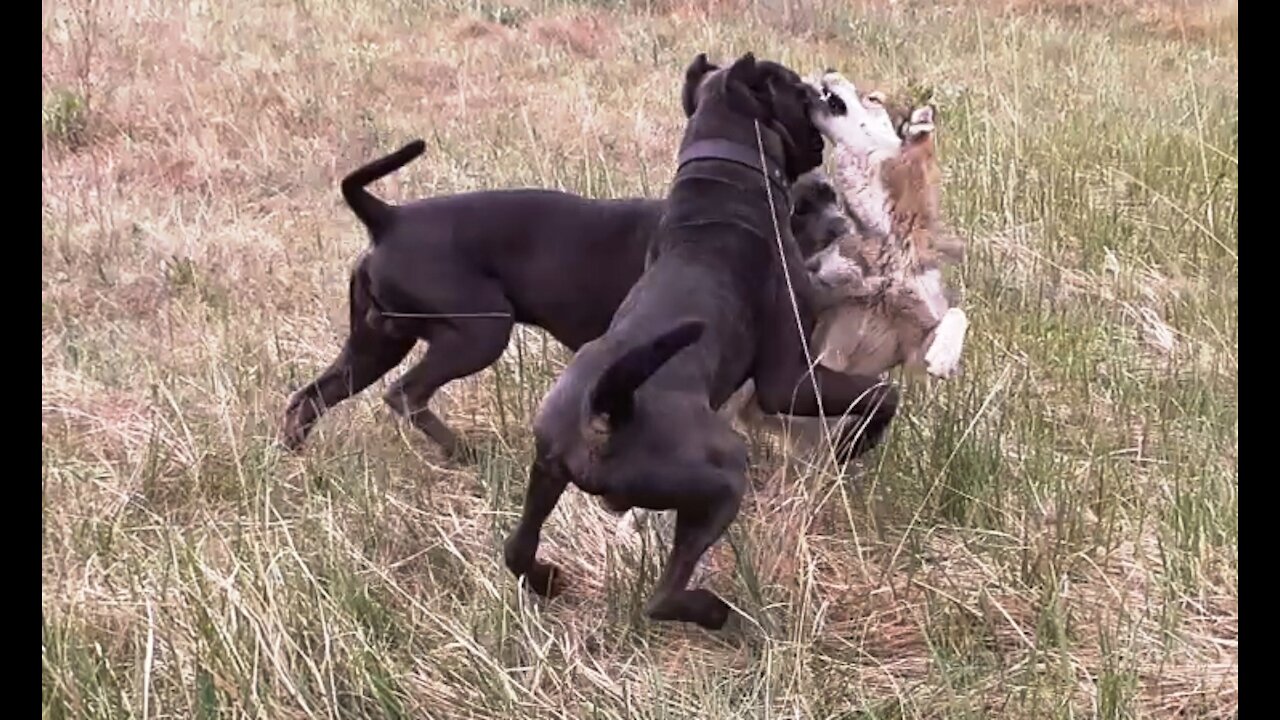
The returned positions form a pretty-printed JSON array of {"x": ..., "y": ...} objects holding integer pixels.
[{"x": 563, "y": 262}]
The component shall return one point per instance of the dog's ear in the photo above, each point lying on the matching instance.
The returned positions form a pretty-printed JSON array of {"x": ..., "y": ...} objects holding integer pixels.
[
  {"x": 744, "y": 90},
  {"x": 693, "y": 76},
  {"x": 920, "y": 124},
  {"x": 788, "y": 99},
  {"x": 745, "y": 71}
]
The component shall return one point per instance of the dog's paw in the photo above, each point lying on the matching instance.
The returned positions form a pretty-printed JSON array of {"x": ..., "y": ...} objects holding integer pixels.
[
  {"x": 707, "y": 610},
  {"x": 545, "y": 579},
  {"x": 293, "y": 432},
  {"x": 699, "y": 606},
  {"x": 291, "y": 438},
  {"x": 464, "y": 450},
  {"x": 943, "y": 357}
]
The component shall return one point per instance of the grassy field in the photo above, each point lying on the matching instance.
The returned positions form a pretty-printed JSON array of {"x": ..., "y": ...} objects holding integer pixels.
[{"x": 1054, "y": 534}]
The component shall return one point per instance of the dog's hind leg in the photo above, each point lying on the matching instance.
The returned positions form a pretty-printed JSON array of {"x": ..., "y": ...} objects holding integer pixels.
[
  {"x": 520, "y": 552},
  {"x": 461, "y": 348},
  {"x": 704, "y": 512},
  {"x": 361, "y": 362},
  {"x": 367, "y": 355}
]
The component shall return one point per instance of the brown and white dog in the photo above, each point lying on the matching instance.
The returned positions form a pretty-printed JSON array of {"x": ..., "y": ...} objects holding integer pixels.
[
  {"x": 880, "y": 281},
  {"x": 887, "y": 302}
]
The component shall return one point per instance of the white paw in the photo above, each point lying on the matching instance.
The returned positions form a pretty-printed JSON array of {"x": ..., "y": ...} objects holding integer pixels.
[{"x": 943, "y": 357}]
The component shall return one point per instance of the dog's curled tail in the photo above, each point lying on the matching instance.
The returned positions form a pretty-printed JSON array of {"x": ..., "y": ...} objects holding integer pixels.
[
  {"x": 613, "y": 398},
  {"x": 373, "y": 212}
]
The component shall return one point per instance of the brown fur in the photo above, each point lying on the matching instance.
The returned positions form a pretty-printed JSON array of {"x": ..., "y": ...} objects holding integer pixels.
[{"x": 914, "y": 180}]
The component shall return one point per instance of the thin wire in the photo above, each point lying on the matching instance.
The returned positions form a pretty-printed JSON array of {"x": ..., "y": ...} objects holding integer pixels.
[
  {"x": 444, "y": 316},
  {"x": 791, "y": 292}
]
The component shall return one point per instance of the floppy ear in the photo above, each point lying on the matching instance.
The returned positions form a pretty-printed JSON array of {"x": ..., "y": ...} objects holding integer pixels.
[
  {"x": 920, "y": 124},
  {"x": 693, "y": 75},
  {"x": 774, "y": 95},
  {"x": 787, "y": 100},
  {"x": 743, "y": 88}
]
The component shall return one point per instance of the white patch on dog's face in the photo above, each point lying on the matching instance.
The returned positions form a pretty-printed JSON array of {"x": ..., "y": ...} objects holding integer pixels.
[{"x": 862, "y": 131}]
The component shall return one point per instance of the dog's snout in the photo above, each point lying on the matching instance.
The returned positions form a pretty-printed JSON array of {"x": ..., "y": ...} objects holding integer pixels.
[{"x": 836, "y": 104}]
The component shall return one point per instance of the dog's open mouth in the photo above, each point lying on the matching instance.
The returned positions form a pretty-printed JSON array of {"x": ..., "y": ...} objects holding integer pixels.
[{"x": 834, "y": 103}]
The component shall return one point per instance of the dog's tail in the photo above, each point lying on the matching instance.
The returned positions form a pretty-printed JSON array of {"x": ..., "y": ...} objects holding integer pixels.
[
  {"x": 613, "y": 397},
  {"x": 373, "y": 212}
]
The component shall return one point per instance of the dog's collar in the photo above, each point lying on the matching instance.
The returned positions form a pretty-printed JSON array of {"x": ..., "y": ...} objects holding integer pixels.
[{"x": 716, "y": 149}]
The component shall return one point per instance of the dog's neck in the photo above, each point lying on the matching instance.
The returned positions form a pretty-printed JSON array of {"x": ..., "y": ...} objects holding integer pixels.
[{"x": 739, "y": 153}]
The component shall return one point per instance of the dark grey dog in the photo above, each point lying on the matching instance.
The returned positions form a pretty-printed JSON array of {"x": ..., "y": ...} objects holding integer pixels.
[
  {"x": 459, "y": 271},
  {"x": 633, "y": 419}
]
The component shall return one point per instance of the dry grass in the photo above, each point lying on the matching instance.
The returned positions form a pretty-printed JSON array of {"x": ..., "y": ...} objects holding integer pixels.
[{"x": 1054, "y": 534}]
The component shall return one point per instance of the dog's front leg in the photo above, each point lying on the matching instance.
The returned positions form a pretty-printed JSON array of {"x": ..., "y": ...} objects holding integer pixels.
[
  {"x": 923, "y": 303},
  {"x": 785, "y": 385},
  {"x": 836, "y": 396},
  {"x": 521, "y": 548}
]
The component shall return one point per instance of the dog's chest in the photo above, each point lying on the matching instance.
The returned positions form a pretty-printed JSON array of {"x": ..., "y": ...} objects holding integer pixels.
[
  {"x": 883, "y": 264},
  {"x": 865, "y": 193}
]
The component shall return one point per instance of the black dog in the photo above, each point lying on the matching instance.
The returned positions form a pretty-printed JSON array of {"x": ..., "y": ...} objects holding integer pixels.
[
  {"x": 633, "y": 417},
  {"x": 459, "y": 271}
]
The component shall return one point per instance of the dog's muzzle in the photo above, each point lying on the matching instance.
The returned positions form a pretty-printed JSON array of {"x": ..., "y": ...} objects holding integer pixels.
[{"x": 833, "y": 102}]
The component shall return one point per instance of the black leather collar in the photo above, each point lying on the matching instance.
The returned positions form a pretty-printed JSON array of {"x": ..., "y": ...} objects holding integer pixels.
[{"x": 716, "y": 149}]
